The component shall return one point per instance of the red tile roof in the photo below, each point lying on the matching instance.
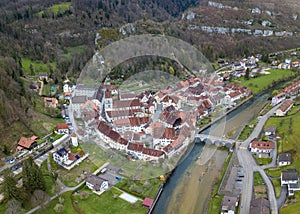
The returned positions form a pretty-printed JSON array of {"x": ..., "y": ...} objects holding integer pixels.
[
  {"x": 262, "y": 144},
  {"x": 61, "y": 126},
  {"x": 120, "y": 104},
  {"x": 26, "y": 142},
  {"x": 138, "y": 147},
  {"x": 152, "y": 152},
  {"x": 147, "y": 202},
  {"x": 285, "y": 105}
]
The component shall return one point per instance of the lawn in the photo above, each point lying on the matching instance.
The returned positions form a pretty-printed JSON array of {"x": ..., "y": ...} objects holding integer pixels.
[
  {"x": 204, "y": 121},
  {"x": 262, "y": 82},
  {"x": 274, "y": 172},
  {"x": 277, "y": 186},
  {"x": 142, "y": 188},
  {"x": 294, "y": 205},
  {"x": 75, "y": 49},
  {"x": 289, "y": 129},
  {"x": 62, "y": 7},
  {"x": 66, "y": 202},
  {"x": 263, "y": 161},
  {"x": 215, "y": 204},
  {"x": 69, "y": 178},
  {"x": 141, "y": 169},
  {"x": 247, "y": 130},
  {"x": 37, "y": 66},
  {"x": 109, "y": 203},
  {"x": 258, "y": 179}
]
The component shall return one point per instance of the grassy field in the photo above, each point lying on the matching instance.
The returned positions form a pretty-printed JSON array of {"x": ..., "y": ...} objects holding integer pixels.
[
  {"x": 131, "y": 169},
  {"x": 109, "y": 203},
  {"x": 142, "y": 188},
  {"x": 215, "y": 204},
  {"x": 294, "y": 205},
  {"x": 263, "y": 161},
  {"x": 69, "y": 177},
  {"x": 289, "y": 129},
  {"x": 71, "y": 50},
  {"x": 262, "y": 82},
  {"x": 62, "y": 7},
  {"x": 247, "y": 130},
  {"x": 38, "y": 67},
  {"x": 277, "y": 186},
  {"x": 66, "y": 202},
  {"x": 258, "y": 180}
]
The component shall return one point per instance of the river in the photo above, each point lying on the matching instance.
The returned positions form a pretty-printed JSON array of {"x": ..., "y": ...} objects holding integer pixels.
[{"x": 189, "y": 188}]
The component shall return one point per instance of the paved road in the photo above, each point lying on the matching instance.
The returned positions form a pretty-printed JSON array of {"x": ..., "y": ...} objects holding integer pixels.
[
  {"x": 248, "y": 163},
  {"x": 283, "y": 195},
  {"x": 64, "y": 189}
]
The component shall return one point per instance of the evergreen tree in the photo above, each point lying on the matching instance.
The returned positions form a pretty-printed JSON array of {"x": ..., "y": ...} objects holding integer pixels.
[
  {"x": 10, "y": 190},
  {"x": 32, "y": 176}
]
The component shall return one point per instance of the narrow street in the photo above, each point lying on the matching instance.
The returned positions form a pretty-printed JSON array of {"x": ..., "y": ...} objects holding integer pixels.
[{"x": 248, "y": 163}]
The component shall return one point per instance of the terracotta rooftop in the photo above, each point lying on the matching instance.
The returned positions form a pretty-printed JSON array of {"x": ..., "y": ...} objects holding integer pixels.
[
  {"x": 152, "y": 152},
  {"x": 285, "y": 105},
  {"x": 61, "y": 126},
  {"x": 26, "y": 142},
  {"x": 262, "y": 144},
  {"x": 138, "y": 147},
  {"x": 119, "y": 104}
]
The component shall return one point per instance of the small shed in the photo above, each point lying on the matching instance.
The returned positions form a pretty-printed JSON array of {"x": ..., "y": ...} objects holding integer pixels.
[{"x": 147, "y": 202}]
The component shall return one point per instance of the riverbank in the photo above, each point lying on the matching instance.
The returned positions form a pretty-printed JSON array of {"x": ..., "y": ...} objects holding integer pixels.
[{"x": 193, "y": 193}]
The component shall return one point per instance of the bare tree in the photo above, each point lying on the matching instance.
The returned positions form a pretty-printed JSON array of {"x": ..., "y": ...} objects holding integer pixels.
[{"x": 13, "y": 207}]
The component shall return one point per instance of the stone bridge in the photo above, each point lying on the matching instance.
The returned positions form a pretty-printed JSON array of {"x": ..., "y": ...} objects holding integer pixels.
[{"x": 218, "y": 141}]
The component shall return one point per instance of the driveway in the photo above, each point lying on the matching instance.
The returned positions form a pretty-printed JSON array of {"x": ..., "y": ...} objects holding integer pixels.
[{"x": 283, "y": 195}]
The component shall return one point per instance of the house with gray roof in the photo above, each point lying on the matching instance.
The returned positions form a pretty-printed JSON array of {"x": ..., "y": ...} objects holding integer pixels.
[{"x": 290, "y": 178}]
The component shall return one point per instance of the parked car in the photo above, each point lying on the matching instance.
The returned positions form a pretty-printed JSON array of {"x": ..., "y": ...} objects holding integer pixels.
[{"x": 11, "y": 160}]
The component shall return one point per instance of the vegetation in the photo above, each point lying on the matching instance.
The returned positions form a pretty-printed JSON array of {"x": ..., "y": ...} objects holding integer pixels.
[
  {"x": 215, "y": 201},
  {"x": 32, "y": 176},
  {"x": 77, "y": 174},
  {"x": 10, "y": 189},
  {"x": 258, "y": 180},
  {"x": 63, "y": 203},
  {"x": 277, "y": 187},
  {"x": 263, "y": 161},
  {"x": 108, "y": 202},
  {"x": 293, "y": 204},
  {"x": 56, "y": 9},
  {"x": 262, "y": 82},
  {"x": 247, "y": 130},
  {"x": 142, "y": 188},
  {"x": 31, "y": 67}
]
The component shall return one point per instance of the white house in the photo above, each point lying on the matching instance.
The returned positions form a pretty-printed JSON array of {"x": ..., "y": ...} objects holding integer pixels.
[
  {"x": 278, "y": 99},
  {"x": 261, "y": 146},
  {"x": 61, "y": 156},
  {"x": 270, "y": 130},
  {"x": 96, "y": 183},
  {"x": 62, "y": 129},
  {"x": 284, "y": 159},
  {"x": 290, "y": 178}
]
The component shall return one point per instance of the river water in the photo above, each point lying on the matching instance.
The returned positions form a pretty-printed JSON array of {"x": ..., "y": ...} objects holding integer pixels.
[{"x": 189, "y": 188}]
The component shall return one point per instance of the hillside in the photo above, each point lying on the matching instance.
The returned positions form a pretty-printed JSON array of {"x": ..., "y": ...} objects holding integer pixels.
[{"x": 57, "y": 37}]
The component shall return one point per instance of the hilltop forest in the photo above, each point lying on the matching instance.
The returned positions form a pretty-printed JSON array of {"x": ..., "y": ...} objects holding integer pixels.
[{"x": 60, "y": 35}]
